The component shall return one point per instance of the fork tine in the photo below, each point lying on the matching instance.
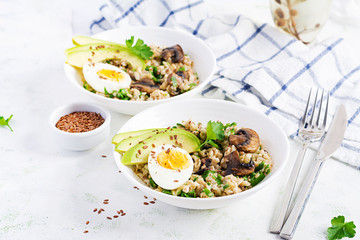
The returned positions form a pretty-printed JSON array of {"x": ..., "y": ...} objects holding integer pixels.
[
  {"x": 326, "y": 111},
  {"x": 302, "y": 122},
  {"x": 313, "y": 110},
  {"x": 319, "y": 112}
]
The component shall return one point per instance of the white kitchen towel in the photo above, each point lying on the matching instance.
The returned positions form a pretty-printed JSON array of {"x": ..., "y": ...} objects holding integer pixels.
[{"x": 257, "y": 64}]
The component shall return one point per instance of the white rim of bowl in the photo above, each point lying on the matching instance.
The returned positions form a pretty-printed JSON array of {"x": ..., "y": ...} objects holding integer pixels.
[{"x": 63, "y": 110}]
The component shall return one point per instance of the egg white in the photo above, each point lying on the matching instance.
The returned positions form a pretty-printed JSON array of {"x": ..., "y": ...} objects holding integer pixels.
[
  {"x": 99, "y": 84},
  {"x": 168, "y": 178}
]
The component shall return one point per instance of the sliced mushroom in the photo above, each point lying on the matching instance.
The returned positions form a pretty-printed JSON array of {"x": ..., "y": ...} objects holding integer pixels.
[
  {"x": 205, "y": 165},
  {"x": 236, "y": 167},
  {"x": 145, "y": 85},
  {"x": 246, "y": 140},
  {"x": 182, "y": 74},
  {"x": 173, "y": 54}
]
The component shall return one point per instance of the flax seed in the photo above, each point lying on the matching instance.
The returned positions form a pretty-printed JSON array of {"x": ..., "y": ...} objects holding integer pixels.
[
  {"x": 86, "y": 231},
  {"x": 95, "y": 210},
  {"x": 145, "y": 147},
  {"x": 115, "y": 216},
  {"x": 153, "y": 145},
  {"x": 123, "y": 214},
  {"x": 118, "y": 212},
  {"x": 146, "y": 203},
  {"x": 109, "y": 218},
  {"x": 171, "y": 137},
  {"x": 145, "y": 197},
  {"x": 104, "y": 156},
  {"x": 87, "y": 222},
  {"x": 139, "y": 151},
  {"x": 152, "y": 202}
]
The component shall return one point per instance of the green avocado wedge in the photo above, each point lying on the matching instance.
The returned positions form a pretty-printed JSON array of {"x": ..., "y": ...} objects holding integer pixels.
[
  {"x": 95, "y": 47},
  {"x": 82, "y": 40},
  {"x": 139, "y": 153},
  {"x": 127, "y": 143},
  {"x": 79, "y": 58},
  {"x": 124, "y": 135}
]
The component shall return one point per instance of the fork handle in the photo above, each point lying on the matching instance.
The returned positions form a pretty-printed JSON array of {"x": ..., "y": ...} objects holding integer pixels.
[
  {"x": 283, "y": 209},
  {"x": 291, "y": 223}
]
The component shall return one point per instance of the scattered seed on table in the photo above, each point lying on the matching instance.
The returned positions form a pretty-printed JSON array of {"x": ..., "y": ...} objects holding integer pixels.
[
  {"x": 118, "y": 212},
  {"x": 152, "y": 202},
  {"x": 86, "y": 231},
  {"x": 145, "y": 197},
  {"x": 146, "y": 203},
  {"x": 119, "y": 171},
  {"x": 95, "y": 210},
  {"x": 109, "y": 218},
  {"x": 121, "y": 211},
  {"x": 115, "y": 216},
  {"x": 123, "y": 214},
  {"x": 104, "y": 156},
  {"x": 87, "y": 222}
]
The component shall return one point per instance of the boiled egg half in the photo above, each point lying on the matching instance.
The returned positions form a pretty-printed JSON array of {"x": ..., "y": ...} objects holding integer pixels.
[
  {"x": 170, "y": 166},
  {"x": 100, "y": 76}
]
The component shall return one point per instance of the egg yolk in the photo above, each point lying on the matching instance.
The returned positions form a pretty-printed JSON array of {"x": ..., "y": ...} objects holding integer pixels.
[
  {"x": 172, "y": 159},
  {"x": 110, "y": 75}
]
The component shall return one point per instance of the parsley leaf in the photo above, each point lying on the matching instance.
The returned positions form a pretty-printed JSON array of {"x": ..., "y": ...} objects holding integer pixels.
[
  {"x": 140, "y": 48},
  {"x": 340, "y": 228},
  {"x": 214, "y": 131},
  {"x": 5, "y": 122}
]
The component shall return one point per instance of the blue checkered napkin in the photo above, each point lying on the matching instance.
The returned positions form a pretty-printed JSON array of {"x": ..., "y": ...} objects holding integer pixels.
[{"x": 257, "y": 64}]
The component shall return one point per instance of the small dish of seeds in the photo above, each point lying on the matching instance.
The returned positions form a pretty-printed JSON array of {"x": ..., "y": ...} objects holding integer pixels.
[{"x": 80, "y": 126}]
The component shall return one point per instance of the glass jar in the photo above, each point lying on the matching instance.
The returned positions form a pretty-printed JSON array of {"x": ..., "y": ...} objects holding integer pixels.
[{"x": 301, "y": 18}]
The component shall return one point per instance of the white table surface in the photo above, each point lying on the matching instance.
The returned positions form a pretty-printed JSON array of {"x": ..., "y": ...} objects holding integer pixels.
[{"x": 47, "y": 192}]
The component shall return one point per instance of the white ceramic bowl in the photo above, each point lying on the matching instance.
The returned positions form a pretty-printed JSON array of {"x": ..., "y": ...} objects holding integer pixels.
[
  {"x": 204, "y": 63},
  {"x": 202, "y": 110},
  {"x": 85, "y": 140}
]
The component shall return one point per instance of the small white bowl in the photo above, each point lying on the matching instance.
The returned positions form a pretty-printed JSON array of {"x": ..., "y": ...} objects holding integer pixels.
[
  {"x": 202, "y": 55},
  {"x": 271, "y": 135},
  {"x": 84, "y": 140}
]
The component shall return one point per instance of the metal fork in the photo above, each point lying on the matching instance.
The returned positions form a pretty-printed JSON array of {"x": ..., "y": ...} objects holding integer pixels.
[{"x": 310, "y": 130}]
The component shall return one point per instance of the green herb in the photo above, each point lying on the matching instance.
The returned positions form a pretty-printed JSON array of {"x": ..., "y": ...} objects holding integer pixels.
[
  {"x": 267, "y": 171},
  {"x": 192, "y": 85},
  {"x": 339, "y": 228},
  {"x": 197, "y": 76},
  {"x": 209, "y": 184},
  {"x": 107, "y": 94},
  {"x": 5, "y": 122},
  {"x": 182, "y": 69},
  {"x": 190, "y": 194},
  {"x": 206, "y": 174},
  {"x": 140, "y": 48},
  {"x": 174, "y": 82},
  {"x": 260, "y": 166},
  {"x": 254, "y": 181},
  {"x": 167, "y": 191},
  {"x": 123, "y": 94},
  {"x": 218, "y": 179},
  {"x": 108, "y": 61},
  {"x": 260, "y": 147},
  {"x": 152, "y": 183},
  {"x": 245, "y": 178},
  {"x": 88, "y": 87},
  {"x": 208, "y": 192},
  {"x": 180, "y": 125},
  {"x": 195, "y": 179},
  {"x": 226, "y": 186},
  {"x": 156, "y": 76},
  {"x": 214, "y": 131}
]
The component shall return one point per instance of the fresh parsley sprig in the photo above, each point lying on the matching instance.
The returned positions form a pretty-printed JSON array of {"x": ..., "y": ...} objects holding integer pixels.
[
  {"x": 214, "y": 131},
  {"x": 140, "y": 48},
  {"x": 339, "y": 228},
  {"x": 5, "y": 122}
]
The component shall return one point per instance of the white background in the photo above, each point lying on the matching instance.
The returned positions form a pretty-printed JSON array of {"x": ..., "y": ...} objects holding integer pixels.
[{"x": 49, "y": 193}]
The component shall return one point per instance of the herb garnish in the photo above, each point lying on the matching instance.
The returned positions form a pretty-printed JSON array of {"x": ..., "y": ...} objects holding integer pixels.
[
  {"x": 339, "y": 228},
  {"x": 5, "y": 122},
  {"x": 214, "y": 131},
  {"x": 140, "y": 48},
  {"x": 156, "y": 76},
  {"x": 208, "y": 192},
  {"x": 174, "y": 81}
]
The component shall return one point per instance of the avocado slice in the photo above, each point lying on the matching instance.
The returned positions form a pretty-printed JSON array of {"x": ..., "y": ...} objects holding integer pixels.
[
  {"x": 127, "y": 143},
  {"x": 139, "y": 153},
  {"x": 124, "y": 135},
  {"x": 94, "y": 47},
  {"x": 81, "y": 57},
  {"x": 82, "y": 40}
]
